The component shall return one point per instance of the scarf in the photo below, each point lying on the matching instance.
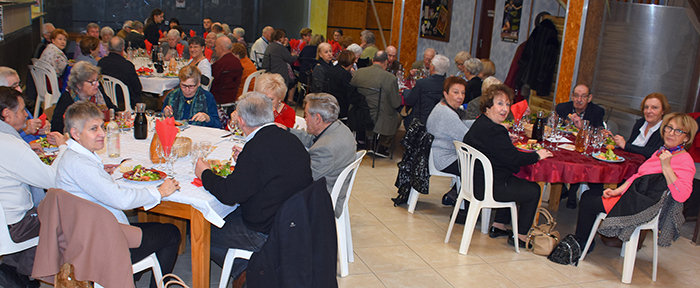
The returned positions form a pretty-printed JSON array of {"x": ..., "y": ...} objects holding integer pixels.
[
  {"x": 673, "y": 150},
  {"x": 178, "y": 102},
  {"x": 98, "y": 99}
]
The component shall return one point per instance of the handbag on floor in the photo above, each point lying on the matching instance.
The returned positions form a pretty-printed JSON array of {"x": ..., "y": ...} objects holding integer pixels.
[
  {"x": 567, "y": 252},
  {"x": 177, "y": 281},
  {"x": 542, "y": 238}
]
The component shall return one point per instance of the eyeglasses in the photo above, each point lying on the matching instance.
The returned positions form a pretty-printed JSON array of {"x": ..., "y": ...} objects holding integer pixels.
[
  {"x": 579, "y": 96},
  {"x": 674, "y": 132},
  {"x": 184, "y": 86},
  {"x": 93, "y": 82},
  {"x": 459, "y": 64}
]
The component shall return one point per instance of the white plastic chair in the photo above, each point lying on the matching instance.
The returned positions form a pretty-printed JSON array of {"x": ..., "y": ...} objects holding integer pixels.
[
  {"x": 7, "y": 246},
  {"x": 467, "y": 159},
  {"x": 43, "y": 64},
  {"x": 150, "y": 262},
  {"x": 208, "y": 86},
  {"x": 300, "y": 123},
  {"x": 41, "y": 75},
  {"x": 228, "y": 263},
  {"x": 110, "y": 83},
  {"x": 342, "y": 223},
  {"x": 252, "y": 76},
  {"x": 629, "y": 248},
  {"x": 413, "y": 196}
]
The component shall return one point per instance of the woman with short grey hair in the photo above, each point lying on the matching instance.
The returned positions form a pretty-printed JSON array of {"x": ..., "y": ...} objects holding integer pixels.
[
  {"x": 83, "y": 85},
  {"x": 472, "y": 68}
]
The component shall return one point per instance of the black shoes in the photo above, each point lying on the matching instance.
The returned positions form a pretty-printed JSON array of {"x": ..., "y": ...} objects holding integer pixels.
[
  {"x": 381, "y": 152},
  {"x": 571, "y": 204},
  {"x": 511, "y": 242},
  {"x": 450, "y": 198},
  {"x": 495, "y": 232},
  {"x": 9, "y": 278}
]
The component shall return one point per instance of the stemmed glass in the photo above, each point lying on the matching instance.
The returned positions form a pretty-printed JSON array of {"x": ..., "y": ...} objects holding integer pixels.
[
  {"x": 172, "y": 157},
  {"x": 162, "y": 153},
  {"x": 195, "y": 153},
  {"x": 206, "y": 148},
  {"x": 151, "y": 119}
]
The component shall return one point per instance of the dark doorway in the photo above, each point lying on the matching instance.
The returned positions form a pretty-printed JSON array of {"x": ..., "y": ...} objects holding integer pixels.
[{"x": 488, "y": 13}]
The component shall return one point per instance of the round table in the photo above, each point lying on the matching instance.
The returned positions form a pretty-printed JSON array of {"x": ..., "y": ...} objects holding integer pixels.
[{"x": 156, "y": 83}]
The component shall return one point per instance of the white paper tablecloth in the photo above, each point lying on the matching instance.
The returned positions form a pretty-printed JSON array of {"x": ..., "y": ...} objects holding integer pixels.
[{"x": 138, "y": 150}]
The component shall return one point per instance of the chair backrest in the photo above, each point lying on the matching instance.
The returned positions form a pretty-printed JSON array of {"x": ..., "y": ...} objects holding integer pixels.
[
  {"x": 300, "y": 123},
  {"x": 468, "y": 156},
  {"x": 252, "y": 76},
  {"x": 42, "y": 63},
  {"x": 258, "y": 59},
  {"x": 371, "y": 103},
  {"x": 41, "y": 75},
  {"x": 7, "y": 246},
  {"x": 208, "y": 86},
  {"x": 338, "y": 186},
  {"x": 110, "y": 83},
  {"x": 431, "y": 165}
]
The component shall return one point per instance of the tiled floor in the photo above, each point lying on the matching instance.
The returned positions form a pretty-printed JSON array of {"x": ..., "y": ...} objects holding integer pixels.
[{"x": 396, "y": 249}]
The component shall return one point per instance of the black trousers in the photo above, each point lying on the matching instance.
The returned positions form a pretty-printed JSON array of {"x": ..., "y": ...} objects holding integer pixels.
[
  {"x": 590, "y": 206},
  {"x": 522, "y": 192},
  {"x": 163, "y": 239}
]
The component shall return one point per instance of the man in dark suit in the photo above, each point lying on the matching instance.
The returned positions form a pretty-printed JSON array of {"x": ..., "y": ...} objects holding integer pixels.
[
  {"x": 115, "y": 65},
  {"x": 227, "y": 73},
  {"x": 331, "y": 144},
  {"x": 427, "y": 92},
  {"x": 393, "y": 66},
  {"x": 580, "y": 107},
  {"x": 270, "y": 168},
  {"x": 135, "y": 38}
]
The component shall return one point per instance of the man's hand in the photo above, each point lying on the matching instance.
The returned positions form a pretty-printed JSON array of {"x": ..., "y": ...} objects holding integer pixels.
[
  {"x": 46, "y": 129},
  {"x": 200, "y": 167},
  {"x": 168, "y": 187},
  {"x": 200, "y": 117},
  {"x": 236, "y": 151},
  {"x": 575, "y": 119},
  {"x": 36, "y": 147},
  {"x": 32, "y": 126},
  {"x": 413, "y": 72}
]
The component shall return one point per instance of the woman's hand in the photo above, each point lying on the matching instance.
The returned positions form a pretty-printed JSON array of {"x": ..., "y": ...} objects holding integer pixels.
[
  {"x": 200, "y": 167},
  {"x": 620, "y": 141},
  {"x": 36, "y": 147},
  {"x": 665, "y": 159},
  {"x": 200, "y": 117},
  {"x": 46, "y": 129},
  {"x": 544, "y": 154},
  {"x": 168, "y": 187},
  {"x": 168, "y": 111},
  {"x": 611, "y": 193},
  {"x": 56, "y": 138}
]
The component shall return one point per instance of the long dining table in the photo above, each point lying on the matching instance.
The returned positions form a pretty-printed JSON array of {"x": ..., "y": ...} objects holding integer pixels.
[{"x": 190, "y": 202}]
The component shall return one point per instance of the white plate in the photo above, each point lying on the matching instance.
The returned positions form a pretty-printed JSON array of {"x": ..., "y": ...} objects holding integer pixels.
[{"x": 620, "y": 158}]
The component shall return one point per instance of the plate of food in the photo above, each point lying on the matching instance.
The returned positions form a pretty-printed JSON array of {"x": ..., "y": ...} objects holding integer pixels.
[
  {"x": 144, "y": 175},
  {"x": 143, "y": 71},
  {"x": 568, "y": 129},
  {"x": 530, "y": 146},
  {"x": 608, "y": 156},
  {"x": 182, "y": 124},
  {"x": 170, "y": 75},
  {"x": 221, "y": 168},
  {"x": 48, "y": 147},
  {"x": 47, "y": 158}
]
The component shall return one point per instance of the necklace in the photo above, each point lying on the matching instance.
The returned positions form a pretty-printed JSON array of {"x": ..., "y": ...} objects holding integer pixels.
[{"x": 189, "y": 101}]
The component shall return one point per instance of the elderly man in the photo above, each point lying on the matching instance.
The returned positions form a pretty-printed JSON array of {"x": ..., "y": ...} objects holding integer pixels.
[
  {"x": 171, "y": 46},
  {"x": 126, "y": 29},
  {"x": 32, "y": 128},
  {"x": 369, "y": 48},
  {"x": 46, "y": 30},
  {"x": 239, "y": 33},
  {"x": 135, "y": 38},
  {"x": 427, "y": 92},
  {"x": 393, "y": 66},
  {"x": 117, "y": 66},
  {"x": 386, "y": 121},
  {"x": 581, "y": 108},
  {"x": 260, "y": 45},
  {"x": 423, "y": 65},
  {"x": 271, "y": 167},
  {"x": 227, "y": 72},
  {"x": 93, "y": 30},
  {"x": 21, "y": 170},
  {"x": 331, "y": 144},
  {"x": 207, "y": 22}
]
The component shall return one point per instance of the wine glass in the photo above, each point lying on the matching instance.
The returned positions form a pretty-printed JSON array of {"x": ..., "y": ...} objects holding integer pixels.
[
  {"x": 150, "y": 118},
  {"x": 160, "y": 151},
  {"x": 195, "y": 153},
  {"x": 172, "y": 157},
  {"x": 206, "y": 148}
]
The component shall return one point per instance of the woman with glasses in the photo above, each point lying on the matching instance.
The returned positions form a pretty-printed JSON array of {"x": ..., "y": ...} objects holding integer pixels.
[
  {"x": 190, "y": 102},
  {"x": 670, "y": 168},
  {"x": 83, "y": 85},
  {"x": 646, "y": 133},
  {"x": 460, "y": 58}
]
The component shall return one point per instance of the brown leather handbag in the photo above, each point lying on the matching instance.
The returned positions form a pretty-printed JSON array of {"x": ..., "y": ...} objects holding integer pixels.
[{"x": 542, "y": 238}]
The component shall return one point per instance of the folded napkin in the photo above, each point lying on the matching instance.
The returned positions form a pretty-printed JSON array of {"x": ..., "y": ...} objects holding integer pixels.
[
  {"x": 166, "y": 131},
  {"x": 161, "y": 33},
  {"x": 149, "y": 46},
  {"x": 180, "y": 48},
  {"x": 197, "y": 182},
  {"x": 43, "y": 122},
  {"x": 192, "y": 33},
  {"x": 561, "y": 140},
  {"x": 208, "y": 52},
  {"x": 519, "y": 109},
  {"x": 205, "y": 35}
]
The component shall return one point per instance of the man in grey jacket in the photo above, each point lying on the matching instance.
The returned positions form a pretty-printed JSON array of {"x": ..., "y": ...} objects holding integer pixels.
[{"x": 331, "y": 144}]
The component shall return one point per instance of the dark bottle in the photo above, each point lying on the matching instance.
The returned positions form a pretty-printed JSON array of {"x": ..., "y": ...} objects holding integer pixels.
[
  {"x": 140, "y": 122},
  {"x": 154, "y": 54},
  {"x": 538, "y": 128}
]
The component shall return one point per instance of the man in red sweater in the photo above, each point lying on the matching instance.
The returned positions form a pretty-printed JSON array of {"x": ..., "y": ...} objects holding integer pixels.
[{"x": 227, "y": 72}]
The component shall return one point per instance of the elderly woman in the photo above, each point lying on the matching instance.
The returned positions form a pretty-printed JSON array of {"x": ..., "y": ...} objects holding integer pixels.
[
  {"x": 358, "y": 52},
  {"x": 646, "y": 135},
  {"x": 473, "y": 107},
  {"x": 278, "y": 59},
  {"x": 273, "y": 86},
  {"x": 83, "y": 85},
  {"x": 241, "y": 53},
  {"x": 670, "y": 168},
  {"x": 82, "y": 174},
  {"x": 53, "y": 54},
  {"x": 490, "y": 137},
  {"x": 239, "y": 34},
  {"x": 191, "y": 102},
  {"x": 196, "y": 49},
  {"x": 308, "y": 58},
  {"x": 175, "y": 43},
  {"x": 89, "y": 50},
  {"x": 447, "y": 123},
  {"x": 427, "y": 92},
  {"x": 106, "y": 34},
  {"x": 472, "y": 68},
  {"x": 489, "y": 69},
  {"x": 460, "y": 58},
  {"x": 21, "y": 171},
  {"x": 320, "y": 75}
]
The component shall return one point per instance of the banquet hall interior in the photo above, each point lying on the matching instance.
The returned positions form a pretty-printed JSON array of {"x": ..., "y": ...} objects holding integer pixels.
[{"x": 621, "y": 49}]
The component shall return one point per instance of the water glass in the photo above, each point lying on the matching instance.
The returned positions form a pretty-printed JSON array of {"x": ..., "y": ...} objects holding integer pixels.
[
  {"x": 160, "y": 151},
  {"x": 172, "y": 157},
  {"x": 195, "y": 153},
  {"x": 206, "y": 148}
]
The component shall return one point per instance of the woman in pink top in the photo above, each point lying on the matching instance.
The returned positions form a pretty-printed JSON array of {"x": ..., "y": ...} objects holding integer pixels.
[{"x": 672, "y": 161}]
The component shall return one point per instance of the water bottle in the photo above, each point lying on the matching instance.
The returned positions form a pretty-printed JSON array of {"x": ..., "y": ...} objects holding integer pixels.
[
  {"x": 140, "y": 122},
  {"x": 112, "y": 136}
]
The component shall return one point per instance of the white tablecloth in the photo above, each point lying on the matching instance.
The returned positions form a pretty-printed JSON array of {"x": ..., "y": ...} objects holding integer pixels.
[
  {"x": 138, "y": 150},
  {"x": 155, "y": 84}
]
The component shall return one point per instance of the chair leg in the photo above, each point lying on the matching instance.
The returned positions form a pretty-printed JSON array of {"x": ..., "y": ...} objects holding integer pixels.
[
  {"x": 412, "y": 200},
  {"x": 514, "y": 220},
  {"x": 342, "y": 246},
  {"x": 348, "y": 237},
  {"x": 655, "y": 256},
  {"x": 226, "y": 269},
  {"x": 455, "y": 211},
  {"x": 630, "y": 249},
  {"x": 469, "y": 224},
  {"x": 598, "y": 219},
  {"x": 485, "y": 220}
]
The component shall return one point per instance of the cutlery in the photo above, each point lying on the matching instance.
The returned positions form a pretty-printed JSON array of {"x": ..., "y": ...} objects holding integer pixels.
[{"x": 229, "y": 135}]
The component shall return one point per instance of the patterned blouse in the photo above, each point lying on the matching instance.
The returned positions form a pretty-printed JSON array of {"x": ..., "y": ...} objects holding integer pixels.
[{"x": 56, "y": 57}]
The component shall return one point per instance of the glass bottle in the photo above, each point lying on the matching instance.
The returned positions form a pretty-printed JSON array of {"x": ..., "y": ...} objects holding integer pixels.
[
  {"x": 538, "y": 128},
  {"x": 140, "y": 122},
  {"x": 112, "y": 136},
  {"x": 154, "y": 54},
  {"x": 582, "y": 137}
]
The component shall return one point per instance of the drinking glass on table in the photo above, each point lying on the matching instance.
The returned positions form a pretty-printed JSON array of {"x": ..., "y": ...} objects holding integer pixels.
[
  {"x": 206, "y": 149},
  {"x": 160, "y": 151},
  {"x": 195, "y": 153},
  {"x": 151, "y": 119},
  {"x": 172, "y": 157}
]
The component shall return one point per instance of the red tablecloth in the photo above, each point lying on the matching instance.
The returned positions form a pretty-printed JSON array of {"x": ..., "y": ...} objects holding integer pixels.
[{"x": 572, "y": 167}]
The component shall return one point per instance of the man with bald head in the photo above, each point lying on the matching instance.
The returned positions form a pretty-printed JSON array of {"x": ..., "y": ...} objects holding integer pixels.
[
  {"x": 227, "y": 72},
  {"x": 581, "y": 108},
  {"x": 260, "y": 45},
  {"x": 393, "y": 66},
  {"x": 423, "y": 65}
]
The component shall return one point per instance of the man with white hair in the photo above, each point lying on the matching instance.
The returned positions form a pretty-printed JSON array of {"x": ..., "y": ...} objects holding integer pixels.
[
  {"x": 227, "y": 72},
  {"x": 126, "y": 29},
  {"x": 32, "y": 128},
  {"x": 260, "y": 45},
  {"x": 393, "y": 66},
  {"x": 46, "y": 30},
  {"x": 117, "y": 66},
  {"x": 422, "y": 65},
  {"x": 239, "y": 33},
  {"x": 175, "y": 44},
  {"x": 427, "y": 92}
]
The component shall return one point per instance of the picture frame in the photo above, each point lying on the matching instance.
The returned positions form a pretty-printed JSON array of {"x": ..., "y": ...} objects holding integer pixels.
[{"x": 436, "y": 19}]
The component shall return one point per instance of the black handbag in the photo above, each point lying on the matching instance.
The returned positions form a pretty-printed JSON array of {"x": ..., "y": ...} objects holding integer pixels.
[{"x": 567, "y": 252}]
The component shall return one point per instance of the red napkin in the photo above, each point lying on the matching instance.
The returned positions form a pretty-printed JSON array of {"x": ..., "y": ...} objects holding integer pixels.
[
  {"x": 43, "y": 122},
  {"x": 192, "y": 33},
  {"x": 166, "y": 131},
  {"x": 205, "y": 35},
  {"x": 148, "y": 45},
  {"x": 180, "y": 48},
  {"x": 197, "y": 182},
  {"x": 207, "y": 53},
  {"x": 519, "y": 109},
  {"x": 161, "y": 33},
  {"x": 302, "y": 44}
]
